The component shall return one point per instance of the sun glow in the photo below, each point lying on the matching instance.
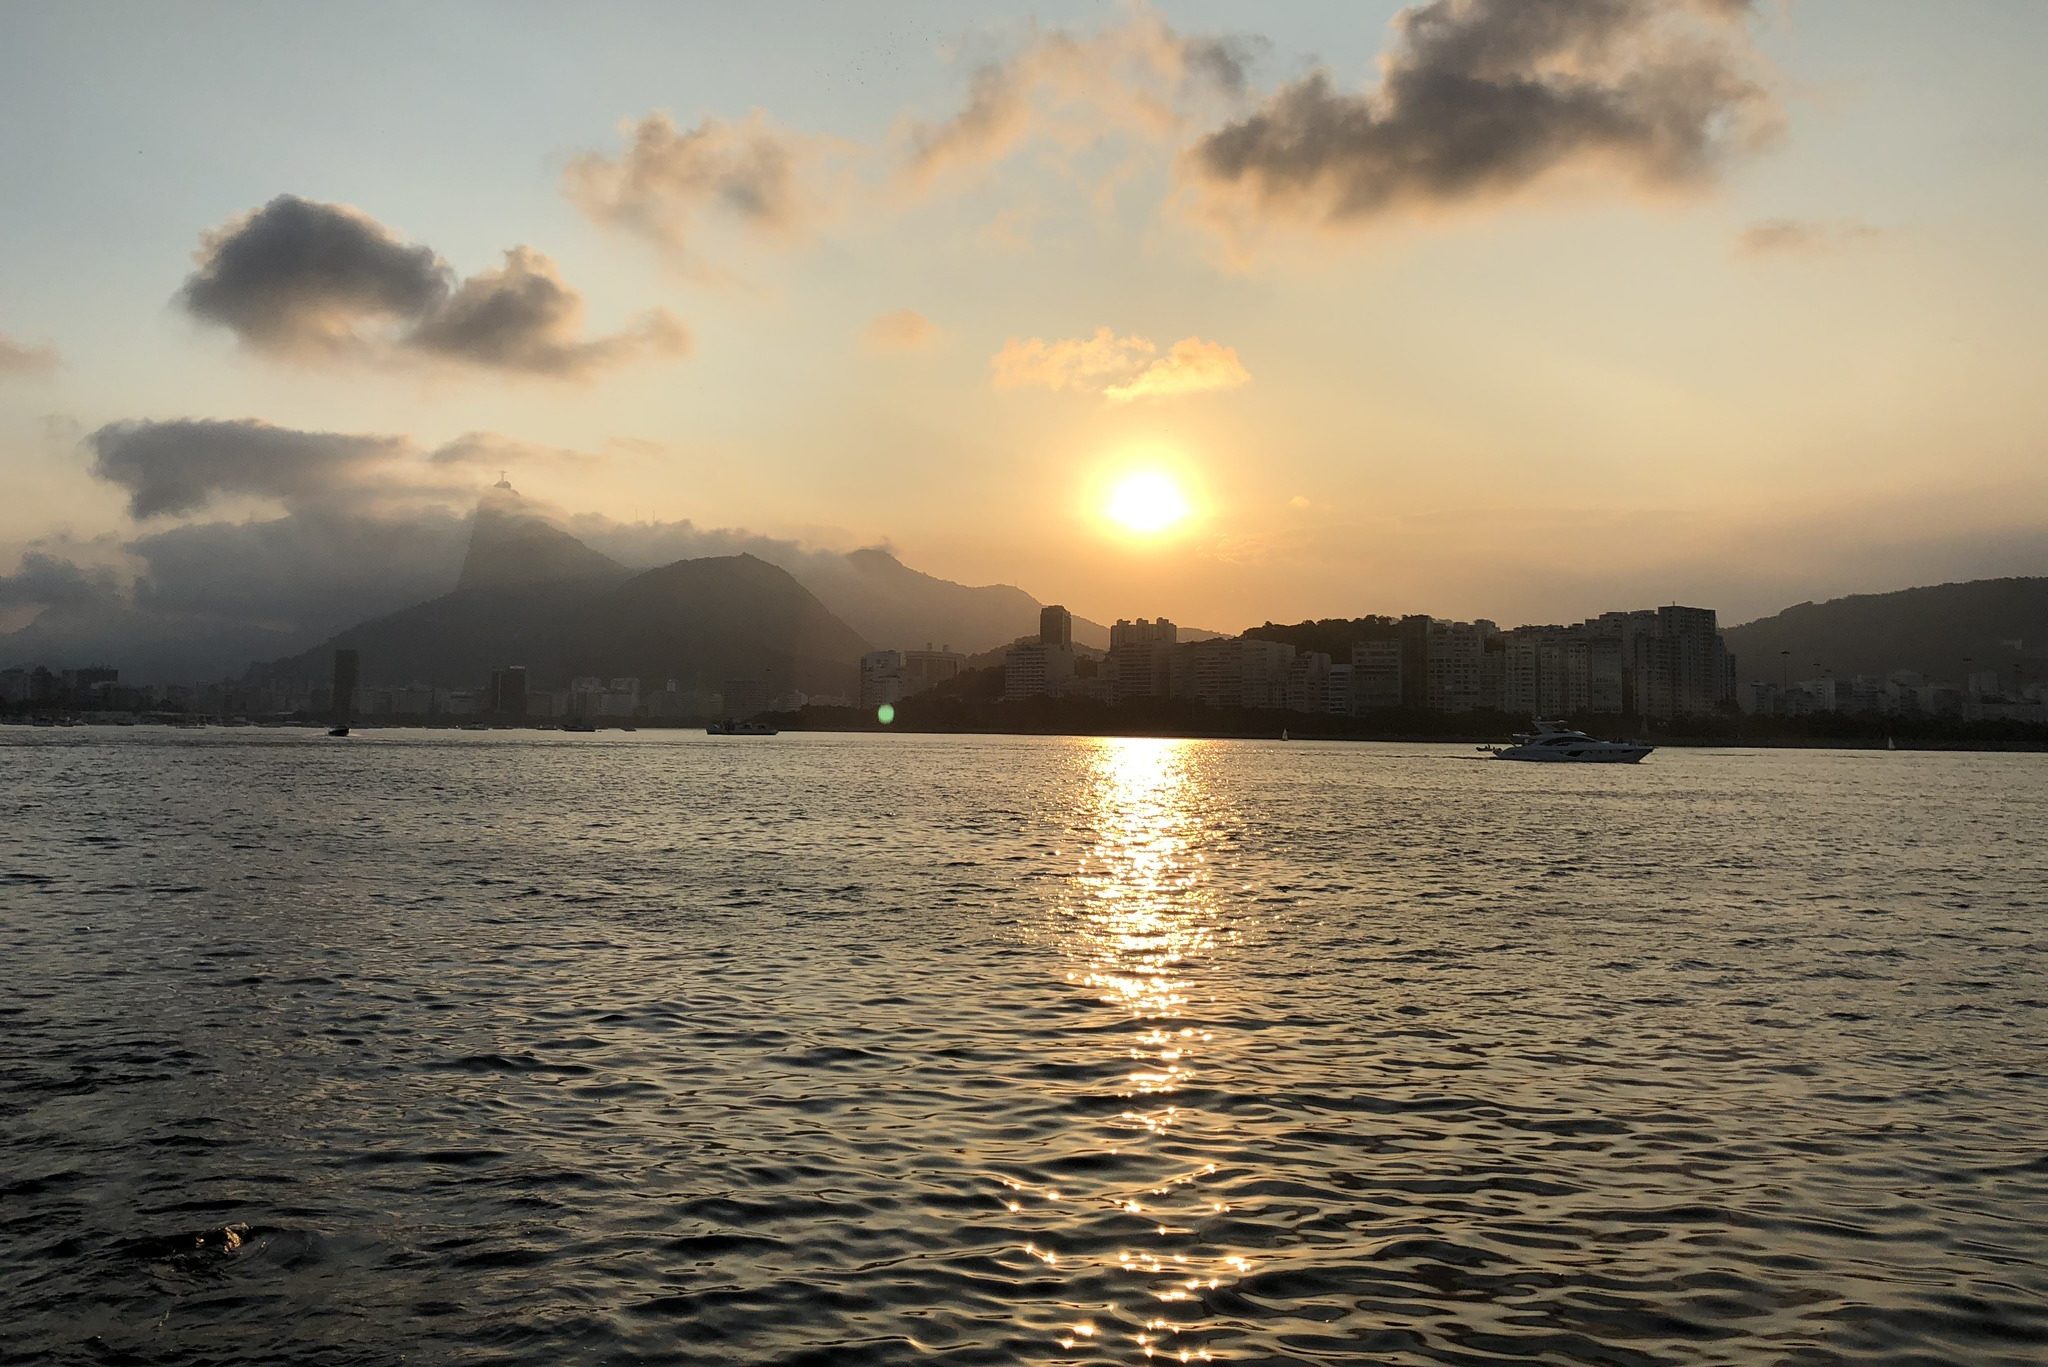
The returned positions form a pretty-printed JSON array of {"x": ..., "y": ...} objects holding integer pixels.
[{"x": 1147, "y": 502}]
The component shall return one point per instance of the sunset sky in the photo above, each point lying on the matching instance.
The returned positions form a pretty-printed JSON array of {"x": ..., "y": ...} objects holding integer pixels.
[{"x": 1522, "y": 309}]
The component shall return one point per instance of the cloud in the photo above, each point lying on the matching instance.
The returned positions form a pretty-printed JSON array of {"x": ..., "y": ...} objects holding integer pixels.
[
  {"x": 1120, "y": 368},
  {"x": 901, "y": 330},
  {"x": 522, "y": 317},
  {"x": 1803, "y": 237},
  {"x": 310, "y": 572},
  {"x": 316, "y": 282},
  {"x": 494, "y": 453},
  {"x": 1137, "y": 76},
  {"x": 1191, "y": 367},
  {"x": 180, "y": 466},
  {"x": 1481, "y": 99},
  {"x": 666, "y": 181},
  {"x": 19, "y": 358},
  {"x": 297, "y": 277},
  {"x": 45, "y": 580},
  {"x": 1086, "y": 363},
  {"x": 186, "y": 464}
]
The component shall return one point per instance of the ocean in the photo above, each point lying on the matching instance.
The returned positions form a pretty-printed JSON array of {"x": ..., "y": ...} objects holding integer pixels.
[{"x": 527, "y": 1047}]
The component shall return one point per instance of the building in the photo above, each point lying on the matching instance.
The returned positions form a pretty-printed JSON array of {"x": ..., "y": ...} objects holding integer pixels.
[
  {"x": 1040, "y": 668},
  {"x": 458, "y": 702},
  {"x": 1606, "y": 671},
  {"x": 507, "y": 696},
  {"x": 1376, "y": 674},
  {"x": 881, "y": 678},
  {"x": 1307, "y": 685},
  {"x": 1056, "y": 627},
  {"x": 1414, "y": 638},
  {"x": 1034, "y": 669},
  {"x": 928, "y": 668},
  {"x": 1337, "y": 697},
  {"x": 1233, "y": 672},
  {"x": 1451, "y": 668},
  {"x": 347, "y": 666},
  {"x": 1140, "y": 663},
  {"x": 1683, "y": 669}
]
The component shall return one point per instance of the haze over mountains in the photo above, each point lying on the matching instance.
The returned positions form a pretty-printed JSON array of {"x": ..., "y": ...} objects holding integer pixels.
[
  {"x": 530, "y": 593},
  {"x": 166, "y": 629}
]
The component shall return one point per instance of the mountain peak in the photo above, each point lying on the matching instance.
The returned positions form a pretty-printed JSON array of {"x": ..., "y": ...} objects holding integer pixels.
[{"x": 512, "y": 542}]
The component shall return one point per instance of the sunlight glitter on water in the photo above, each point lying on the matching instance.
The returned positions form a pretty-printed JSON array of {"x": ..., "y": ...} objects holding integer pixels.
[{"x": 1143, "y": 928}]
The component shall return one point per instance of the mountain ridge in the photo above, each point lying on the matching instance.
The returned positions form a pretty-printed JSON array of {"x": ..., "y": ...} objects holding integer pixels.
[{"x": 1942, "y": 631}]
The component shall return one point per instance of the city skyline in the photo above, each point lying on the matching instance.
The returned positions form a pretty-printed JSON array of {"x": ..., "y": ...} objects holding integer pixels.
[{"x": 950, "y": 285}]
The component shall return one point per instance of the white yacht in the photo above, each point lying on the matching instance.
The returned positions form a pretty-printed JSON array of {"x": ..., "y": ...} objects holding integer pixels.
[{"x": 1552, "y": 742}]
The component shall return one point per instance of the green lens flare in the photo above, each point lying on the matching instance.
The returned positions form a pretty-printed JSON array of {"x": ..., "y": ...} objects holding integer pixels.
[{"x": 886, "y": 713}]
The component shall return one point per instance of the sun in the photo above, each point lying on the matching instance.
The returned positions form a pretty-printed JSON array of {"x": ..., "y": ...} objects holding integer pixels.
[{"x": 1147, "y": 502}]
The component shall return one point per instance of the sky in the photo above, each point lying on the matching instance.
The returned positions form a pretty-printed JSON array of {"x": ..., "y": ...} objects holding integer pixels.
[{"x": 1518, "y": 309}]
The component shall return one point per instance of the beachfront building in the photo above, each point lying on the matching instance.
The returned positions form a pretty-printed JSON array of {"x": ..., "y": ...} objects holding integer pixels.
[{"x": 1140, "y": 663}]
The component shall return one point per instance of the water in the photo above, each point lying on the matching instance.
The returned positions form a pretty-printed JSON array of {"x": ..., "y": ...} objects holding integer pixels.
[{"x": 838, "y": 1049}]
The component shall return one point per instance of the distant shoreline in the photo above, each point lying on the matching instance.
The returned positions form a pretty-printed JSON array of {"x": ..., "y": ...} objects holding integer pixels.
[{"x": 1747, "y": 734}]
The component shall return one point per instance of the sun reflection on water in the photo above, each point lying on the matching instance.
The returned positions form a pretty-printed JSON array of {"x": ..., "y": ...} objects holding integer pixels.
[{"x": 1143, "y": 937}]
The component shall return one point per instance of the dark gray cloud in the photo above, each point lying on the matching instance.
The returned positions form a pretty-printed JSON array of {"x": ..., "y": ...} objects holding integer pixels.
[
  {"x": 19, "y": 358},
  {"x": 183, "y": 465},
  {"x": 522, "y": 316},
  {"x": 180, "y": 466},
  {"x": 298, "y": 276},
  {"x": 1483, "y": 98},
  {"x": 1803, "y": 237},
  {"x": 45, "y": 580},
  {"x": 316, "y": 281}
]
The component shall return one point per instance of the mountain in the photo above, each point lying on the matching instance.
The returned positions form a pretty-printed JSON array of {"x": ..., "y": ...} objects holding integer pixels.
[
  {"x": 700, "y": 621},
  {"x": 511, "y": 544},
  {"x": 1991, "y": 623},
  {"x": 142, "y": 645},
  {"x": 901, "y": 608},
  {"x": 530, "y": 594}
]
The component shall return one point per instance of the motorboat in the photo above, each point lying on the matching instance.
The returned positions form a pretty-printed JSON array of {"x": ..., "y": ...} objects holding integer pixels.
[
  {"x": 740, "y": 728},
  {"x": 1552, "y": 742},
  {"x": 337, "y": 731}
]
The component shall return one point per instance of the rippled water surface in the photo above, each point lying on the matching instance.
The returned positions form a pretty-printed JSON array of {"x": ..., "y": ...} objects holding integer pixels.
[{"x": 839, "y": 1049}]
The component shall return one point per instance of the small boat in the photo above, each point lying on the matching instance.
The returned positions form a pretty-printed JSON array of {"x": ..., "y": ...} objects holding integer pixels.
[
  {"x": 337, "y": 730},
  {"x": 740, "y": 728},
  {"x": 586, "y": 728},
  {"x": 1552, "y": 742}
]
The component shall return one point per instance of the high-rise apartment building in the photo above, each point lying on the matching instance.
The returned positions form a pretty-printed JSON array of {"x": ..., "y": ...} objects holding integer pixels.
[
  {"x": 1140, "y": 663},
  {"x": 1056, "y": 627},
  {"x": 1414, "y": 638},
  {"x": 1376, "y": 674},
  {"x": 507, "y": 696},
  {"x": 347, "y": 668}
]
